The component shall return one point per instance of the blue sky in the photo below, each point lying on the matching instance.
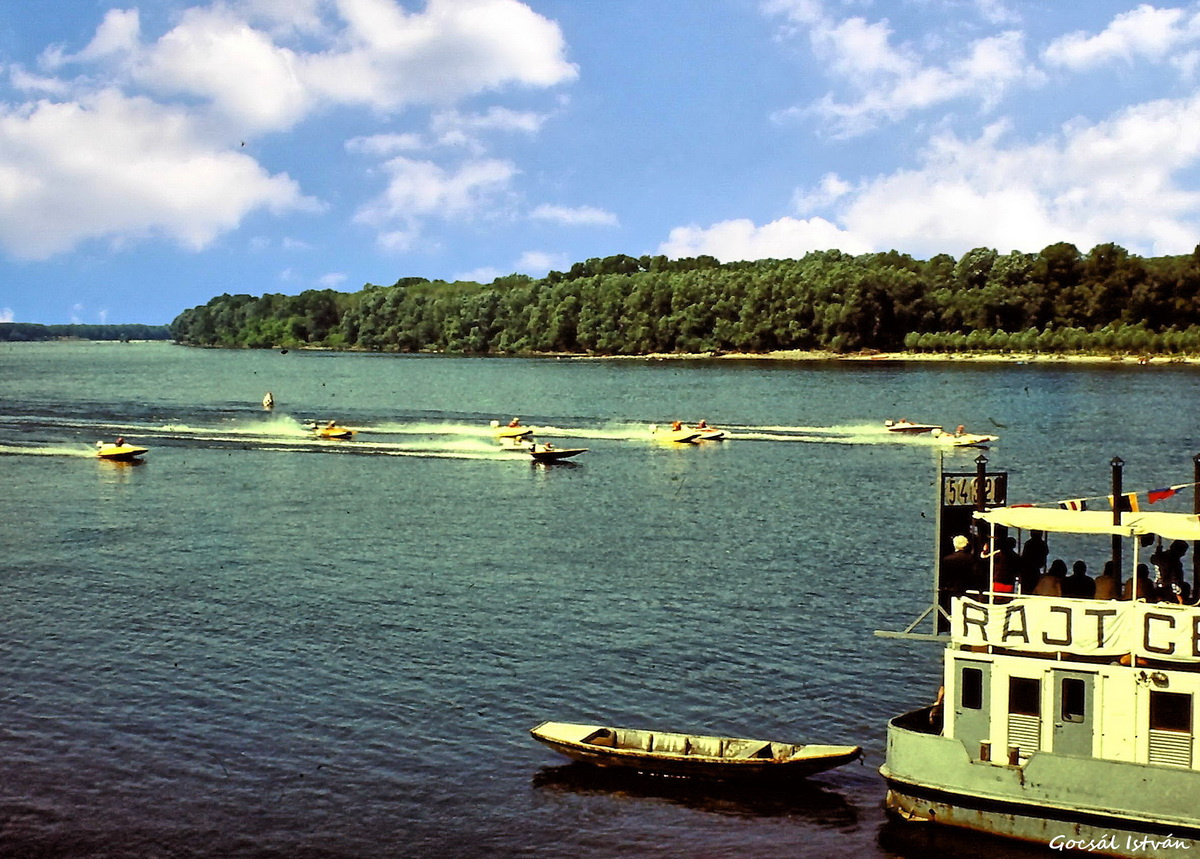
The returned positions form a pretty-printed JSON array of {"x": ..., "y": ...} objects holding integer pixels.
[{"x": 156, "y": 154}]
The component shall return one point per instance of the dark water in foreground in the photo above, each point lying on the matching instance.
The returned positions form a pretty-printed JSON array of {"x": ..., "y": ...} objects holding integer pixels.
[{"x": 258, "y": 644}]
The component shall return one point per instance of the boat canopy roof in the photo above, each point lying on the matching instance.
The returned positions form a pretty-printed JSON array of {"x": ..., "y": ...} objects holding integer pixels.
[{"x": 1171, "y": 526}]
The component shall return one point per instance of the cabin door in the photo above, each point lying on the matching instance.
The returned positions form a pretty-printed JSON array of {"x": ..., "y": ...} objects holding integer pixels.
[
  {"x": 972, "y": 704},
  {"x": 1074, "y": 713}
]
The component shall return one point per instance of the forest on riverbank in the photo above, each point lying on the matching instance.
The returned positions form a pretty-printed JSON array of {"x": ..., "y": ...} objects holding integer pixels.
[
  {"x": 31, "y": 331},
  {"x": 1059, "y": 300}
]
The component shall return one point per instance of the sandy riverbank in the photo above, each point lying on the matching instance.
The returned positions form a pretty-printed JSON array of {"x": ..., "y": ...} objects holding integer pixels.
[{"x": 960, "y": 357}]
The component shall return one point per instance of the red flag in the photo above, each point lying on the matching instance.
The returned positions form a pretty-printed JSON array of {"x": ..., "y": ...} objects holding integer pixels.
[{"x": 1159, "y": 494}]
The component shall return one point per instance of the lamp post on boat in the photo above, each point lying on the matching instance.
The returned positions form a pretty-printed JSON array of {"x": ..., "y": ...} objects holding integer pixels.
[
  {"x": 1195, "y": 509},
  {"x": 1117, "y": 506}
]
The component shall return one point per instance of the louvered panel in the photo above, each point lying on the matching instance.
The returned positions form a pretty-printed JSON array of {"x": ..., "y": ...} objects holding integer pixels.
[
  {"x": 1024, "y": 732},
  {"x": 1171, "y": 748}
]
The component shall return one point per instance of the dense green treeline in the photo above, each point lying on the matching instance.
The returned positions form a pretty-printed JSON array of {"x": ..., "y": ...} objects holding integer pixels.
[
  {"x": 1057, "y": 300},
  {"x": 33, "y": 331}
]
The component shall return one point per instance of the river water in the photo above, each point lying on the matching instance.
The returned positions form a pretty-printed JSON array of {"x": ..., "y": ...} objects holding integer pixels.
[{"x": 257, "y": 643}]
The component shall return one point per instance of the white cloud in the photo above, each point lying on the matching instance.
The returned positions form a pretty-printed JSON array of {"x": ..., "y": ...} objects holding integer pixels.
[
  {"x": 452, "y": 128},
  {"x": 387, "y": 59},
  {"x": 574, "y": 216},
  {"x": 214, "y": 55},
  {"x": 332, "y": 280},
  {"x": 879, "y": 80},
  {"x": 420, "y": 189},
  {"x": 372, "y": 53},
  {"x": 538, "y": 263},
  {"x": 1111, "y": 181},
  {"x": 741, "y": 239},
  {"x": 122, "y": 168},
  {"x": 1122, "y": 180},
  {"x": 1145, "y": 32},
  {"x": 480, "y": 275},
  {"x": 831, "y": 188},
  {"x": 6, "y": 314},
  {"x": 138, "y": 134},
  {"x": 384, "y": 144}
]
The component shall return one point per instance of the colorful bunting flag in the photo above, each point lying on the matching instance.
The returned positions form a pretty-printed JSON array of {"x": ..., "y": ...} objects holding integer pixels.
[
  {"x": 1155, "y": 495},
  {"x": 1074, "y": 504},
  {"x": 1129, "y": 502}
]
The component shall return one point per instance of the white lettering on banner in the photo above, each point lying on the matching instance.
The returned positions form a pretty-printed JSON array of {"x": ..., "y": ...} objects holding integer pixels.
[{"x": 1084, "y": 627}]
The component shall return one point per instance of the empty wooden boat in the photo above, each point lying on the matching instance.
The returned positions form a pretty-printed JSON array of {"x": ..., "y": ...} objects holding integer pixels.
[{"x": 696, "y": 756}]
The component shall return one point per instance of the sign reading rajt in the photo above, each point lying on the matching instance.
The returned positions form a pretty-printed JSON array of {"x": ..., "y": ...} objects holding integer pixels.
[{"x": 1079, "y": 626}]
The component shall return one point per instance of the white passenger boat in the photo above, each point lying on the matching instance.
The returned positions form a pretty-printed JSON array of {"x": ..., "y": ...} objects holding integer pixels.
[{"x": 1067, "y": 722}]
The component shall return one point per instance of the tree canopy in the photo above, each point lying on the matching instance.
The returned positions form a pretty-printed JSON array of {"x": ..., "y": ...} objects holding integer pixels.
[
  {"x": 1057, "y": 300},
  {"x": 21, "y": 331}
]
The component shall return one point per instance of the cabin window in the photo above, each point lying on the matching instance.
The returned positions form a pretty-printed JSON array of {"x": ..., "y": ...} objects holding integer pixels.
[
  {"x": 971, "y": 688},
  {"x": 1024, "y": 696},
  {"x": 1170, "y": 711},
  {"x": 1074, "y": 699}
]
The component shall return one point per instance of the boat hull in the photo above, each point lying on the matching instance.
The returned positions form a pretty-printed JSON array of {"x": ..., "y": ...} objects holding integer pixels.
[
  {"x": 120, "y": 452},
  {"x": 335, "y": 432},
  {"x": 556, "y": 454},
  {"x": 906, "y": 428},
  {"x": 513, "y": 432},
  {"x": 1050, "y": 800},
  {"x": 678, "y": 436},
  {"x": 969, "y": 440},
  {"x": 692, "y": 756}
]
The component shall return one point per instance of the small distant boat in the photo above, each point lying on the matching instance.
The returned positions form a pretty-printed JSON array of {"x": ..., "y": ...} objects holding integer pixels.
[
  {"x": 332, "y": 430},
  {"x": 513, "y": 430},
  {"x": 677, "y": 433},
  {"x": 708, "y": 433},
  {"x": 549, "y": 453},
  {"x": 268, "y": 400},
  {"x": 961, "y": 438},
  {"x": 119, "y": 451},
  {"x": 697, "y": 756},
  {"x": 904, "y": 425}
]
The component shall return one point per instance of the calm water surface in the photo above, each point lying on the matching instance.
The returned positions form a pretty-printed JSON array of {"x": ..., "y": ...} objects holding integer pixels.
[{"x": 260, "y": 644}]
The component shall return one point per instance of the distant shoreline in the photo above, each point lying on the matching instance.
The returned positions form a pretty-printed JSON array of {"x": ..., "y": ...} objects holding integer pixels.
[{"x": 917, "y": 357}]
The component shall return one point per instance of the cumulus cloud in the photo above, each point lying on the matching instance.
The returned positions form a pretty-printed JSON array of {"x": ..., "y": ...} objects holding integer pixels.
[
  {"x": 879, "y": 80},
  {"x": 122, "y": 168},
  {"x": 1116, "y": 180},
  {"x": 1142, "y": 33},
  {"x": 138, "y": 135},
  {"x": 387, "y": 58},
  {"x": 588, "y": 216},
  {"x": 420, "y": 189},
  {"x": 741, "y": 239},
  {"x": 1121, "y": 180},
  {"x": 6, "y": 314},
  {"x": 538, "y": 263}
]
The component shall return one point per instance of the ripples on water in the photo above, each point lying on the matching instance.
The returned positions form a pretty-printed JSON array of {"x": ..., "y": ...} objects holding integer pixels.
[{"x": 261, "y": 644}]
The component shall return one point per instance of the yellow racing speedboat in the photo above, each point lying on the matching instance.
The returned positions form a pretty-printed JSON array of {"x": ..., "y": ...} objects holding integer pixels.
[
  {"x": 677, "y": 433},
  {"x": 119, "y": 451},
  {"x": 333, "y": 430}
]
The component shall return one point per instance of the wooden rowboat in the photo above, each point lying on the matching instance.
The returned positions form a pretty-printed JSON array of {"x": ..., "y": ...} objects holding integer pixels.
[{"x": 696, "y": 756}]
